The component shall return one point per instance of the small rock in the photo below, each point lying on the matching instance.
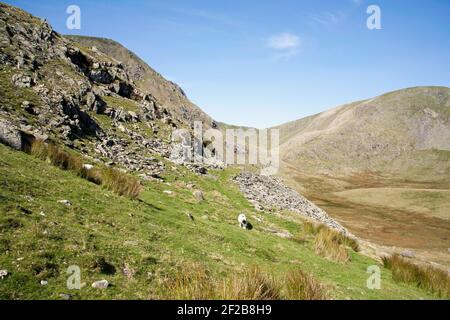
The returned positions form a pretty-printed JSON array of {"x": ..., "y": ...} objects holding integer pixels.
[
  {"x": 3, "y": 274},
  {"x": 103, "y": 284},
  {"x": 66, "y": 296},
  {"x": 408, "y": 254},
  {"x": 260, "y": 220},
  {"x": 44, "y": 282},
  {"x": 199, "y": 195},
  {"x": 65, "y": 202},
  {"x": 168, "y": 192}
]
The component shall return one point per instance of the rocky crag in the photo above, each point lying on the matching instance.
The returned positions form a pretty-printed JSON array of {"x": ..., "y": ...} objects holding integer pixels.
[{"x": 78, "y": 96}]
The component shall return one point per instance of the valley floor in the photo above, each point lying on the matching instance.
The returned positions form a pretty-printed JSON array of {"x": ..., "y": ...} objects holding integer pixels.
[{"x": 395, "y": 215}]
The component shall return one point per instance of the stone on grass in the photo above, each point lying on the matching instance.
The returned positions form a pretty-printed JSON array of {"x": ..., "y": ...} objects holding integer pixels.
[
  {"x": 65, "y": 296},
  {"x": 407, "y": 254},
  {"x": 199, "y": 195},
  {"x": 65, "y": 202},
  {"x": 102, "y": 284}
]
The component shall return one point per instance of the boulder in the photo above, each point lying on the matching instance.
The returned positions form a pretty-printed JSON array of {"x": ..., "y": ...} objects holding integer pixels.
[{"x": 10, "y": 135}]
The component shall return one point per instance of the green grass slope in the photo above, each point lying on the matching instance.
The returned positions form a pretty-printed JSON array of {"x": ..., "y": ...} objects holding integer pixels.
[{"x": 153, "y": 237}]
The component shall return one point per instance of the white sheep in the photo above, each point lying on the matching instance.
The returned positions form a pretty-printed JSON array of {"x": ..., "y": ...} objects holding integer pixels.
[
  {"x": 88, "y": 166},
  {"x": 242, "y": 219}
]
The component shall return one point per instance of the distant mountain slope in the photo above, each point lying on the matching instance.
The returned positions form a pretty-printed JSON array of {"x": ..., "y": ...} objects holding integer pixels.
[
  {"x": 169, "y": 94},
  {"x": 405, "y": 132}
]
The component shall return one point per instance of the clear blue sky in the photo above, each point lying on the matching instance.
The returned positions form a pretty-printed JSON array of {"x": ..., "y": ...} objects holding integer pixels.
[{"x": 263, "y": 63}]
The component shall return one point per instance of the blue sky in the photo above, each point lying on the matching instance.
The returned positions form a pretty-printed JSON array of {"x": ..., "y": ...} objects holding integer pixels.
[{"x": 263, "y": 63}]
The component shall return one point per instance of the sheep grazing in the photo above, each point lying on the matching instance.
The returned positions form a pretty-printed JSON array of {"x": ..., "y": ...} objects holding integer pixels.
[
  {"x": 242, "y": 219},
  {"x": 88, "y": 166}
]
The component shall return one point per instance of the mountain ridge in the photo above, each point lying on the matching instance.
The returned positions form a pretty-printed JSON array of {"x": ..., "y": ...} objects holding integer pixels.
[
  {"x": 371, "y": 133},
  {"x": 146, "y": 78}
]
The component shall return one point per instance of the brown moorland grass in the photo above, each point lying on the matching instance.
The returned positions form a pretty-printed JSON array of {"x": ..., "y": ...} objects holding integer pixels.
[
  {"x": 194, "y": 282},
  {"x": 121, "y": 183},
  {"x": 311, "y": 227},
  {"x": 425, "y": 277},
  {"x": 251, "y": 285},
  {"x": 333, "y": 245},
  {"x": 302, "y": 286},
  {"x": 314, "y": 229},
  {"x": 114, "y": 180}
]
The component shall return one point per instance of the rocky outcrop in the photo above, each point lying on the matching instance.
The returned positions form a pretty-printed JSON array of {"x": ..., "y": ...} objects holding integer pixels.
[
  {"x": 10, "y": 135},
  {"x": 268, "y": 192},
  {"x": 72, "y": 86}
]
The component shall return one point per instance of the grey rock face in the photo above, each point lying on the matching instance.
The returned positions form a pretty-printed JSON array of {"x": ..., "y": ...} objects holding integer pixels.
[
  {"x": 10, "y": 135},
  {"x": 269, "y": 192},
  {"x": 101, "y": 76}
]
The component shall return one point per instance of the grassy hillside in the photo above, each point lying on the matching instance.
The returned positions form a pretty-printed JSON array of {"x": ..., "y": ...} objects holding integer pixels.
[
  {"x": 138, "y": 244},
  {"x": 403, "y": 133}
]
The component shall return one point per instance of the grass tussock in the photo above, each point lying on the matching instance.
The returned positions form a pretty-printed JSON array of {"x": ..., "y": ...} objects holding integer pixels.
[
  {"x": 252, "y": 285},
  {"x": 302, "y": 286},
  {"x": 312, "y": 228},
  {"x": 121, "y": 183},
  {"x": 300, "y": 239},
  {"x": 113, "y": 180},
  {"x": 333, "y": 245},
  {"x": 428, "y": 278},
  {"x": 193, "y": 283}
]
